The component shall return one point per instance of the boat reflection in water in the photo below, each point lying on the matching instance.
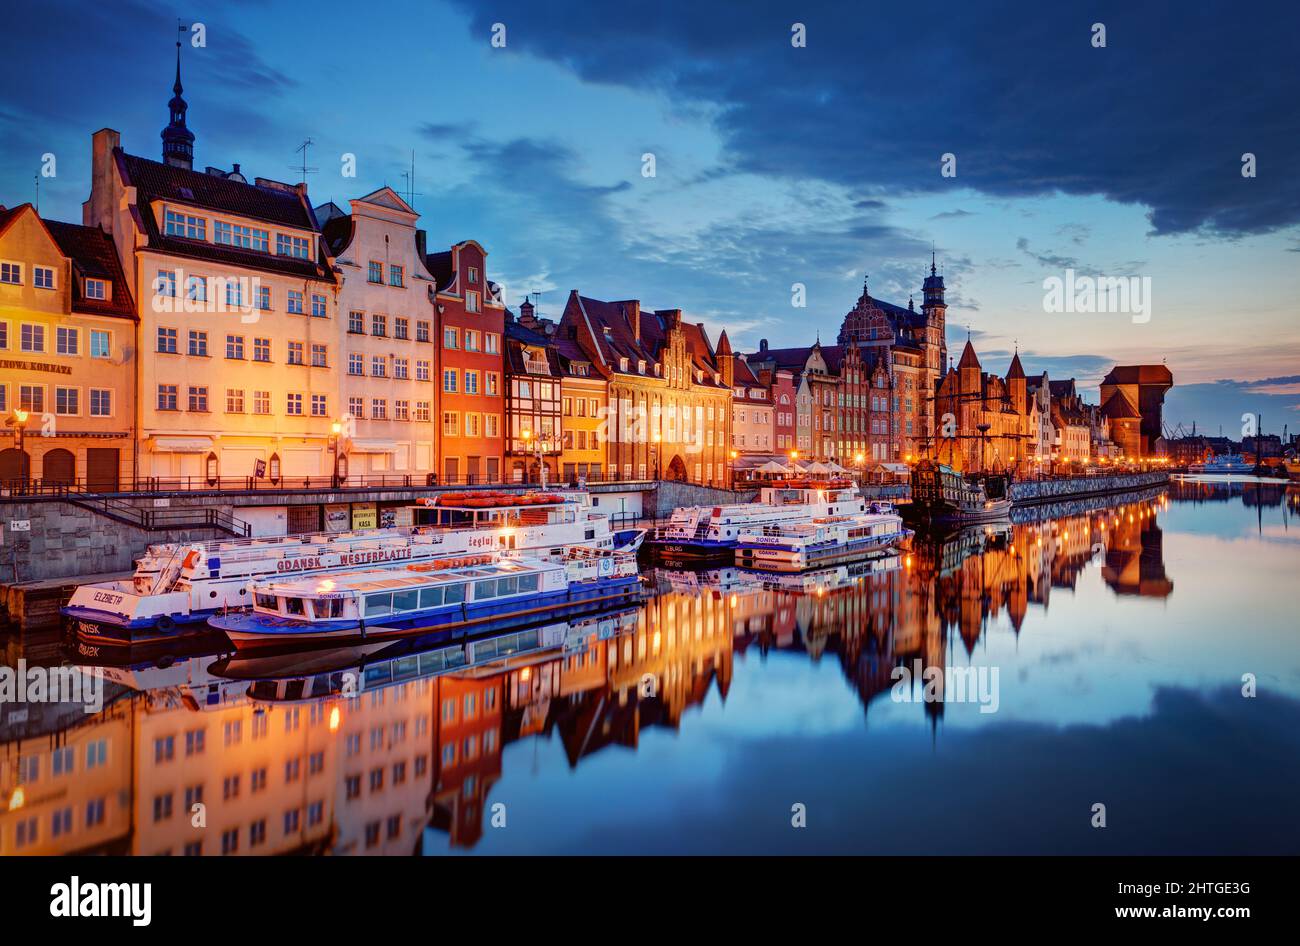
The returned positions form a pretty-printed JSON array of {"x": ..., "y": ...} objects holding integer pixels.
[{"x": 389, "y": 748}]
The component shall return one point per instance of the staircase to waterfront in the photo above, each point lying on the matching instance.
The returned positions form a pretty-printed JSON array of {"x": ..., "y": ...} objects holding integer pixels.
[{"x": 161, "y": 520}]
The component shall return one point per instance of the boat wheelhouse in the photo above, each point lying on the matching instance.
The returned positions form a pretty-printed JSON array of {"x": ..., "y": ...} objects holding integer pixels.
[
  {"x": 711, "y": 532},
  {"x": 457, "y": 597},
  {"x": 180, "y": 585},
  {"x": 826, "y": 540}
]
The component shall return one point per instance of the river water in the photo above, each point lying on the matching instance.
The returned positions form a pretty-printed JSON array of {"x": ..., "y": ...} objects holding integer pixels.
[{"x": 1118, "y": 677}]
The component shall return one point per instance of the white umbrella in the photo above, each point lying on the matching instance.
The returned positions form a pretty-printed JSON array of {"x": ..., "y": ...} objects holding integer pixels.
[
  {"x": 834, "y": 467},
  {"x": 818, "y": 467},
  {"x": 771, "y": 466}
]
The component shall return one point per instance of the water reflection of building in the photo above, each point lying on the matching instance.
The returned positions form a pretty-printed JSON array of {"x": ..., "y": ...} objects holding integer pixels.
[{"x": 413, "y": 765}]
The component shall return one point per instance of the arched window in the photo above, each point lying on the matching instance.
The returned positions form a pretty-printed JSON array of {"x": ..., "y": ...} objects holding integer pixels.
[
  {"x": 210, "y": 469},
  {"x": 274, "y": 468}
]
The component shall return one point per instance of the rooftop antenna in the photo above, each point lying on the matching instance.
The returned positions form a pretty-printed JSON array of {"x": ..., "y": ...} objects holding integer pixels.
[
  {"x": 411, "y": 192},
  {"x": 303, "y": 168},
  {"x": 37, "y": 178}
]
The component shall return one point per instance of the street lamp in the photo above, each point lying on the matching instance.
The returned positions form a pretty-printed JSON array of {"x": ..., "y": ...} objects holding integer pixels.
[
  {"x": 537, "y": 447},
  {"x": 733, "y": 455},
  {"x": 18, "y": 421},
  {"x": 335, "y": 430}
]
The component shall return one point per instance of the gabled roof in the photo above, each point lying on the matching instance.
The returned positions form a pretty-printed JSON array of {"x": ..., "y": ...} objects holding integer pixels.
[{"x": 94, "y": 254}]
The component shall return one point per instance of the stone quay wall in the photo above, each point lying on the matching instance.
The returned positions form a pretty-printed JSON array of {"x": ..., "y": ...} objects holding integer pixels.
[{"x": 1041, "y": 491}]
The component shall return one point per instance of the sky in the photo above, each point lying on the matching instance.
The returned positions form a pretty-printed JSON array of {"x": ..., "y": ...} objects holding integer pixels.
[{"x": 775, "y": 164}]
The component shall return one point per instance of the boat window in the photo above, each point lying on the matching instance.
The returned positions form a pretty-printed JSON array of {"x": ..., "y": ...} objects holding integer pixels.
[
  {"x": 485, "y": 589},
  {"x": 379, "y": 604},
  {"x": 327, "y": 607},
  {"x": 507, "y": 586},
  {"x": 430, "y": 597},
  {"x": 269, "y": 602},
  {"x": 454, "y": 594},
  {"x": 293, "y": 606},
  {"x": 528, "y": 582},
  {"x": 406, "y": 600}
]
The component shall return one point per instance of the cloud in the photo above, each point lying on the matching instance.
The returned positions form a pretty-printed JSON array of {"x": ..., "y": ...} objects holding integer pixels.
[
  {"x": 1160, "y": 117},
  {"x": 952, "y": 215}
]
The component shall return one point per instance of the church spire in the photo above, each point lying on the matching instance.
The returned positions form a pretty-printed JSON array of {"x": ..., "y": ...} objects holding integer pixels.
[{"x": 178, "y": 140}]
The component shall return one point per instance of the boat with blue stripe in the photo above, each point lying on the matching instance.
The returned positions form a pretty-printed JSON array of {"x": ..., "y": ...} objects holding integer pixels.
[{"x": 485, "y": 594}]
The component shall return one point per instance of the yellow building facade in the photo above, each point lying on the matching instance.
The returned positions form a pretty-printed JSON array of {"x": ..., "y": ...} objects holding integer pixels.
[
  {"x": 238, "y": 308},
  {"x": 67, "y": 355}
]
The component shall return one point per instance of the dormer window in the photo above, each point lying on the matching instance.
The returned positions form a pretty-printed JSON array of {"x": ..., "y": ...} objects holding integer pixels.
[
  {"x": 298, "y": 247},
  {"x": 622, "y": 362},
  {"x": 473, "y": 275},
  {"x": 640, "y": 366},
  {"x": 183, "y": 225},
  {"x": 97, "y": 289}
]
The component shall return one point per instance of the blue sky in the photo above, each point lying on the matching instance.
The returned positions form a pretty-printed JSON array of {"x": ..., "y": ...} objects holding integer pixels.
[{"x": 775, "y": 164}]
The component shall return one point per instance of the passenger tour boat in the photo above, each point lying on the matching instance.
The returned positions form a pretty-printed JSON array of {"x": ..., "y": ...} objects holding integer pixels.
[
  {"x": 178, "y": 586},
  {"x": 710, "y": 533},
  {"x": 826, "y": 540},
  {"x": 473, "y": 594}
]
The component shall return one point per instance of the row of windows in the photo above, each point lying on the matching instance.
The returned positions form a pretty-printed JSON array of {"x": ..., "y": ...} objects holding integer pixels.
[
  {"x": 472, "y": 425},
  {"x": 192, "y": 227},
  {"x": 27, "y": 831},
  {"x": 11, "y": 274},
  {"x": 375, "y": 274},
  {"x": 33, "y": 338},
  {"x": 239, "y": 293},
  {"x": 379, "y": 409},
  {"x": 379, "y": 365},
  {"x": 585, "y": 407},
  {"x": 452, "y": 378},
  {"x": 379, "y": 326},
  {"x": 296, "y": 404},
  {"x": 471, "y": 339},
  {"x": 67, "y": 400},
  {"x": 63, "y": 762}
]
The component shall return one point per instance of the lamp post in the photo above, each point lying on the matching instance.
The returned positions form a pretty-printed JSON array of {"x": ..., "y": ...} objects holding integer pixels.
[
  {"x": 733, "y": 456},
  {"x": 18, "y": 421},
  {"x": 536, "y": 447},
  {"x": 859, "y": 461},
  {"x": 335, "y": 430}
]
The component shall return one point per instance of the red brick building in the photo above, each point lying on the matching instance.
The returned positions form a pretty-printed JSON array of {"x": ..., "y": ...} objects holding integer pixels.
[{"x": 470, "y": 321}]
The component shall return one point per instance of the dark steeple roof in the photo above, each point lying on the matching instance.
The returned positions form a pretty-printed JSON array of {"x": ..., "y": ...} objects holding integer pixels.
[
  {"x": 178, "y": 140},
  {"x": 968, "y": 357},
  {"x": 1016, "y": 370}
]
